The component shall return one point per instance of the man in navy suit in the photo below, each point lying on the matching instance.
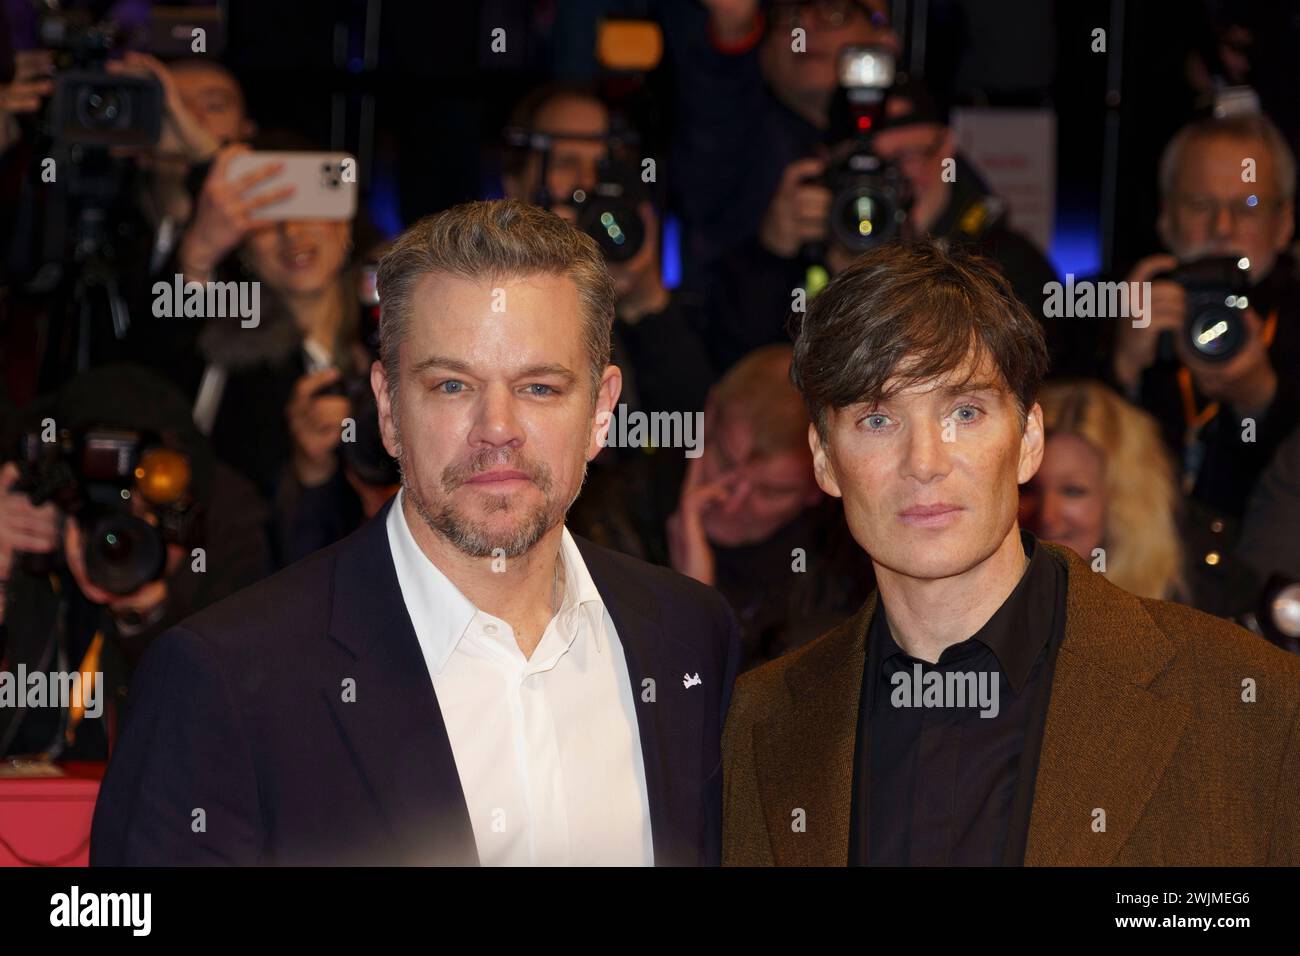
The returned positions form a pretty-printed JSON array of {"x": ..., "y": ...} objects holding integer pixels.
[{"x": 462, "y": 680}]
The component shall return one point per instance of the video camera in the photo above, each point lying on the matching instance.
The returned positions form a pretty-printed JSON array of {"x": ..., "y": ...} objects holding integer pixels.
[
  {"x": 91, "y": 107},
  {"x": 96, "y": 475}
]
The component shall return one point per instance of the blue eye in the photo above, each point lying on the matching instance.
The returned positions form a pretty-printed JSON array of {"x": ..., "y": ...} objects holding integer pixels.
[
  {"x": 977, "y": 411},
  {"x": 548, "y": 389},
  {"x": 870, "y": 418},
  {"x": 450, "y": 387}
]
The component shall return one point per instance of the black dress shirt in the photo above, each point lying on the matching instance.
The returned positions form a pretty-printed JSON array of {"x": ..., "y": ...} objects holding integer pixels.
[{"x": 943, "y": 785}]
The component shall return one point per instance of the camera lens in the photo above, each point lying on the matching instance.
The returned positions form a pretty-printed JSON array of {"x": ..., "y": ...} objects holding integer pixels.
[
  {"x": 616, "y": 227},
  {"x": 102, "y": 107},
  {"x": 863, "y": 216},
  {"x": 1214, "y": 331},
  {"x": 123, "y": 553}
]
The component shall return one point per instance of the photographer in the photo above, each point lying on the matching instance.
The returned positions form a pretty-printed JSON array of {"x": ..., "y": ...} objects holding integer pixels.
[
  {"x": 273, "y": 397},
  {"x": 753, "y": 282},
  {"x": 750, "y": 105},
  {"x": 64, "y": 607},
  {"x": 1223, "y": 419},
  {"x": 664, "y": 364},
  {"x": 655, "y": 338},
  {"x": 108, "y": 222}
]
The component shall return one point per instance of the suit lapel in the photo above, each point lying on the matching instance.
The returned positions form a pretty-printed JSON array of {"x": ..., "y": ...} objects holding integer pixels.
[
  {"x": 1107, "y": 742},
  {"x": 804, "y": 756},
  {"x": 394, "y": 726},
  {"x": 671, "y": 720},
  {"x": 1108, "y": 738}
]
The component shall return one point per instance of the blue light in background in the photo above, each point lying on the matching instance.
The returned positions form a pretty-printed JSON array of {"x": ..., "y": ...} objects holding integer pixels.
[
  {"x": 671, "y": 249},
  {"x": 1076, "y": 246},
  {"x": 385, "y": 209}
]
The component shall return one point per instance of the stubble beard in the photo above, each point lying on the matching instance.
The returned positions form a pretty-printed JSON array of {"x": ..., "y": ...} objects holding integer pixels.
[{"x": 473, "y": 538}]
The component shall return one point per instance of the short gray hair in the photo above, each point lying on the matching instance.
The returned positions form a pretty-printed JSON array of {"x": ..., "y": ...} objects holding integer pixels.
[
  {"x": 495, "y": 239},
  {"x": 1251, "y": 126}
]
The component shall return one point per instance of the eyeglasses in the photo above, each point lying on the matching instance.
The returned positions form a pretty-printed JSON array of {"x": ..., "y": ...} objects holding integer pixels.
[
  {"x": 1247, "y": 210},
  {"x": 831, "y": 14}
]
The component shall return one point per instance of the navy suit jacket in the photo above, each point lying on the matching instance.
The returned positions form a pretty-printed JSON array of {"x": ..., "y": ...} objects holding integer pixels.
[{"x": 239, "y": 747}]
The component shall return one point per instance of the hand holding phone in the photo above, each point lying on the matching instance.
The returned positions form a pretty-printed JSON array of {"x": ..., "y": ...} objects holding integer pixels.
[
  {"x": 324, "y": 184},
  {"x": 226, "y": 209}
]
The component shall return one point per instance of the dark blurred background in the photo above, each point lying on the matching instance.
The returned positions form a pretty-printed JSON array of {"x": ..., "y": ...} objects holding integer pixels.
[{"x": 415, "y": 86}]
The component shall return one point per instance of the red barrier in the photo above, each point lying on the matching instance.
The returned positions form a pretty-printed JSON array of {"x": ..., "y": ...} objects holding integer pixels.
[{"x": 45, "y": 821}]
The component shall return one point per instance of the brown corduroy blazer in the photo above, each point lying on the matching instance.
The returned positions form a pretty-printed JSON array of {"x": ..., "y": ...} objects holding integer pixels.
[{"x": 1146, "y": 722}]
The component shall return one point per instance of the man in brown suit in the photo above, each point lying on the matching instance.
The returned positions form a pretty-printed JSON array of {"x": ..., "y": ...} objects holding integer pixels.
[{"x": 1117, "y": 729}]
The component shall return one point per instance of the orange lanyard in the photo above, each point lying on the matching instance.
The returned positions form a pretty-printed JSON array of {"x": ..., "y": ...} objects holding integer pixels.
[{"x": 1191, "y": 416}]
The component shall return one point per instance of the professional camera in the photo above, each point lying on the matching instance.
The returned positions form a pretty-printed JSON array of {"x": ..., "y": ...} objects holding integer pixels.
[
  {"x": 91, "y": 107},
  {"x": 870, "y": 196},
  {"x": 1276, "y": 615},
  {"x": 95, "y": 475},
  {"x": 366, "y": 457},
  {"x": 77, "y": 235},
  {"x": 1217, "y": 294},
  {"x": 609, "y": 213}
]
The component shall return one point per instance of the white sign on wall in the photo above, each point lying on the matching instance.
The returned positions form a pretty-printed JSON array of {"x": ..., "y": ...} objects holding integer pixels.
[{"x": 1014, "y": 150}]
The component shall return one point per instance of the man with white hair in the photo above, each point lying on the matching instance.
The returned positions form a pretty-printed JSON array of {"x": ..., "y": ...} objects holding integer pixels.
[{"x": 1227, "y": 188}]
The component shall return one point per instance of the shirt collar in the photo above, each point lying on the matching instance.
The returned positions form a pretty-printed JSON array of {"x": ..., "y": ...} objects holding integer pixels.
[
  {"x": 1020, "y": 628},
  {"x": 580, "y": 592},
  {"x": 441, "y": 614},
  {"x": 1015, "y": 633}
]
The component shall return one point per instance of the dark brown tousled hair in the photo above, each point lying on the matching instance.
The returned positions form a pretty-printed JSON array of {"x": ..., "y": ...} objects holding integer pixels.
[{"x": 913, "y": 310}]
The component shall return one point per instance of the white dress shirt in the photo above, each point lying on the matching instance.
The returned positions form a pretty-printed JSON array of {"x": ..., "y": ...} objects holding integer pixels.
[{"x": 547, "y": 748}]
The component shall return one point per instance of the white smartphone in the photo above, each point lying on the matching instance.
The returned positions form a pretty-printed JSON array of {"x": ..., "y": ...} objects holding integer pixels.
[{"x": 325, "y": 184}]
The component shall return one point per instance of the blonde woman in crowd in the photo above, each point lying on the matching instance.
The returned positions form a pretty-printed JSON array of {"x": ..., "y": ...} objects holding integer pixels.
[{"x": 1108, "y": 483}]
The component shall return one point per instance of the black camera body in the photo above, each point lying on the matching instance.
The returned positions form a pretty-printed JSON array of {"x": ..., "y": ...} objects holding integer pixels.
[
  {"x": 1217, "y": 290},
  {"x": 366, "y": 457},
  {"x": 610, "y": 212},
  {"x": 95, "y": 109},
  {"x": 870, "y": 196},
  {"x": 95, "y": 475},
  {"x": 90, "y": 106}
]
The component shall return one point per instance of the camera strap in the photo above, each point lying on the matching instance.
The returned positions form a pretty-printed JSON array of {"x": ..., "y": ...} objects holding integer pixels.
[
  {"x": 1193, "y": 445},
  {"x": 88, "y": 668},
  {"x": 1194, "y": 419},
  {"x": 208, "y": 400},
  {"x": 980, "y": 216}
]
